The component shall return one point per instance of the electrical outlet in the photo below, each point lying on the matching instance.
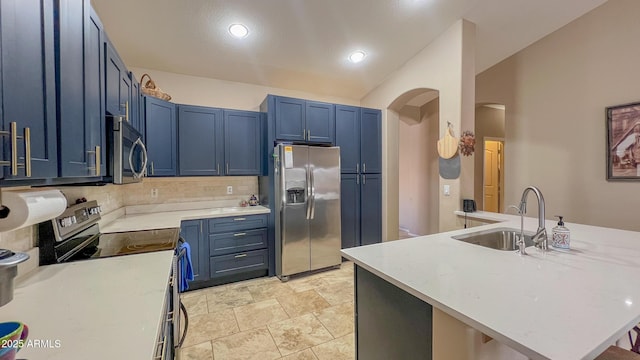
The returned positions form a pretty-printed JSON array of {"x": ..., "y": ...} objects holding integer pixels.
[
  {"x": 447, "y": 190},
  {"x": 229, "y": 190},
  {"x": 154, "y": 193}
]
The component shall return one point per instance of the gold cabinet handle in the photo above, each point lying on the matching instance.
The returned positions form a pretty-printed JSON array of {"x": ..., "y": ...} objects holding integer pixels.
[
  {"x": 13, "y": 163},
  {"x": 126, "y": 110},
  {"x": 27, "y": 151},
  {"x": 98, "y": 159},
  {"x": 358, "y": 167},
  {"x": 304, "y": 133},
  {"x": 153, "y": 170},
  {"x": 14, "y": 148},
  {"x": 227, "y": 173},
  {"x": 239, "y": 234},
  {"x": 240, "y": 256},
  {"x": 218, "y": 168}
]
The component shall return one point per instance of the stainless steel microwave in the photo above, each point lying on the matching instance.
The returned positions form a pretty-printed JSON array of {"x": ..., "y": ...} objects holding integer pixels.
[{"x": 127, "y": 154}]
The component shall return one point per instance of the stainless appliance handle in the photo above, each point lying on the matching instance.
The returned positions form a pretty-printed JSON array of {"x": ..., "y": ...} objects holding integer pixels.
[
  {"x": 308, "y": 199},
  {"x": 137, "y": 175},
  {"x": 313, "y": 193}
]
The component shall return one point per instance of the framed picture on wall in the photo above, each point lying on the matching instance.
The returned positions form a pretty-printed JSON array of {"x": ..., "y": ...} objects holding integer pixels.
[{"x": 623, "y": 142}]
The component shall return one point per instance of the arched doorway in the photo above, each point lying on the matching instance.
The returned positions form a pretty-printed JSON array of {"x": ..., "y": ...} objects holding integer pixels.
[{"x": 418, "y": 181}]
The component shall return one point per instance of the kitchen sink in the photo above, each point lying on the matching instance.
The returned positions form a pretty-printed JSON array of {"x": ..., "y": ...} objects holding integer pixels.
[{"x": 499, "y": 238}]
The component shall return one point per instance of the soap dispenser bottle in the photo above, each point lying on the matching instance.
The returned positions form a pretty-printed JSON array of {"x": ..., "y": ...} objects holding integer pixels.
[{"x": 561, "y": 235}]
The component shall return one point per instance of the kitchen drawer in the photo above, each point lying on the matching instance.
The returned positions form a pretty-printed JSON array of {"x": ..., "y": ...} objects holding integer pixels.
[
  {"x": 238, "y": 263},
  {"x": 239, "y": 222},
  {"x": 239, "y": 241}
]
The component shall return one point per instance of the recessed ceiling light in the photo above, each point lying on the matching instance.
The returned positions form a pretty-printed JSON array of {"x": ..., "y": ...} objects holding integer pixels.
[
  {"x": 238, "y": 30},
  {"x": 357, "y": 56}
]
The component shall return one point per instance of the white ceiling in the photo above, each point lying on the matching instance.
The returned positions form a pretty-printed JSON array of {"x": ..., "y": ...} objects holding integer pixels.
[{"x": 303, "y": 44}]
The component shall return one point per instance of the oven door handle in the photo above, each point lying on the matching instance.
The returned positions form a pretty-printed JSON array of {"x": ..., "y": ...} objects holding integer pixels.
[
  {"x": 183, "y": 310},
  {"x": 137, "y": 175}
]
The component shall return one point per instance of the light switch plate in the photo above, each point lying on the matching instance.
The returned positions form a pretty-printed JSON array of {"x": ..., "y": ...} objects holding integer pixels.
[
  {"x": 447, "y": 190},
  {"x": 154, "y": 193},
  {"x": 229, "y": 190}
]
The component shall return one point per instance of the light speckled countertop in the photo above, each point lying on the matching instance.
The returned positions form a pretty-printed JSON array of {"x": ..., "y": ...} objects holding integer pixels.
[
  {"x": 161, "y": 217},
  {"x": 98, "y": 309},
  {"x": 554, "y": 305}
]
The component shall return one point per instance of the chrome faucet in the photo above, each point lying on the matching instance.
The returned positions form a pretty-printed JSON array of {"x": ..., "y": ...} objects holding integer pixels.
[{"x": 540, "y": 238}]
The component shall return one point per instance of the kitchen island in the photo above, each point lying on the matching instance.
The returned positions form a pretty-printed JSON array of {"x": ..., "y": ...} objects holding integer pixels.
[{"x": 546, "y": 305}]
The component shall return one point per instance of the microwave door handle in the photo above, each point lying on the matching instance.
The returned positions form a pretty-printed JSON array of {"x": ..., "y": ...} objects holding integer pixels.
[{"x": 138, "y": 175}]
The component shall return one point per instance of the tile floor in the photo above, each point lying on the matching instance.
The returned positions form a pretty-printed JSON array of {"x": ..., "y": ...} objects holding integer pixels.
[{"x": 307, "y": 318}]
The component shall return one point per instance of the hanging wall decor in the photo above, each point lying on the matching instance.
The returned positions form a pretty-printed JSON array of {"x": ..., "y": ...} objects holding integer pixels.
[
  {"x": 467, "y": 143},
  {"x": 623, "y": 142}
]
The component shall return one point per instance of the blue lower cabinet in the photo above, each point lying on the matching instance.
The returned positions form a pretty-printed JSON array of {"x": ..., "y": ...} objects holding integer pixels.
[
  {"x": 192, "y": 231},
  {"x": 227, "y": 249},
  {"x": 233, "y": 242},
  {"x": 234, "y": 264},
  {"x": 370, "y": 209}
]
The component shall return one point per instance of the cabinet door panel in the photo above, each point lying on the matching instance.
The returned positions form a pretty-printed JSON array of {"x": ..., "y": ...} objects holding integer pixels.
[
  {"x": 371, "y": 141},
  {"x": 200, "y": 141},
  {"x": 290, "y": 119},
  {"x": 225, "y": 265},
  {"x": 94, "y": 88},
  {"x": 28, "y": 83},
  {"x": 160, "y": 121},
  {"x": 371, "y": 209},
  {"x": 242, "y": 142},
  {"x": 320, "y": 122},
  {"x": 350, "y": 210},
  {"x": 134, "y": 105},
  {"x": 192, "y": 232},
  {"x": 115, "y": 71},
  {"x": 348, "y": 137}
]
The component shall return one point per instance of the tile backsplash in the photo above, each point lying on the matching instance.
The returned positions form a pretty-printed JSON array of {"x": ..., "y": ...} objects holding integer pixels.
[{"x": 167, "y": 190}]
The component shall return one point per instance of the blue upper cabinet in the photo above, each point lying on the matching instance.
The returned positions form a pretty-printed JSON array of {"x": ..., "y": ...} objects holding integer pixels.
[
  {"x": 79, "y": 37},
  {"x": 160, "y": 118},
  {"x": 118, "y": 83},
  {"x": 348, "y": 138},
  {"x": 27, "y": 89},
  {"x": 290, "y": 119},
  {"x": 200, "y": 140},
  {"x": 304, "y": 121},
  {"x": 371, "y": 141},
  {"x": 134, "y": 105},
  {"x": 320, "y": 122},
  {"x": 242, "y": 142}
]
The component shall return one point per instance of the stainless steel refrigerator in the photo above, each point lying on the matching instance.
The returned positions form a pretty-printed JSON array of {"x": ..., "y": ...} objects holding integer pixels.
[{"x": 307, "y": 208}]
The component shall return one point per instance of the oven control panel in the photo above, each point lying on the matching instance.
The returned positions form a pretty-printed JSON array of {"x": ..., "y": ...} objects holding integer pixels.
[{"x": 76, "y": 218}]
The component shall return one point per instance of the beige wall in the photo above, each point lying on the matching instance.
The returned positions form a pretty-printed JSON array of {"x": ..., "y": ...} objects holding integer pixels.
[
  {"x": 418, "y": 164},
  {"x": 555, "y": 92},
  {"x": 445, "y": 65},
  {"x": 193, "y": 90},
  {"x": 489, "y": 124}
]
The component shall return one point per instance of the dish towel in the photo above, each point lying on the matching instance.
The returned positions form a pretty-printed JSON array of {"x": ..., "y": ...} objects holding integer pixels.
[{"x": 186, "y": 268}]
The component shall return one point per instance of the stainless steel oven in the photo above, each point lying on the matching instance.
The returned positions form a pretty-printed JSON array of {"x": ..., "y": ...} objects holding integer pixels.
[{"x": 127, "y": 153}]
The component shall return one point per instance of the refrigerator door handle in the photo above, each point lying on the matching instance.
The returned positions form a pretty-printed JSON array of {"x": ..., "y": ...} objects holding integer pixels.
[
  {"x": 313, "y": 193},
  {"x": 308, "y": 199}
]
